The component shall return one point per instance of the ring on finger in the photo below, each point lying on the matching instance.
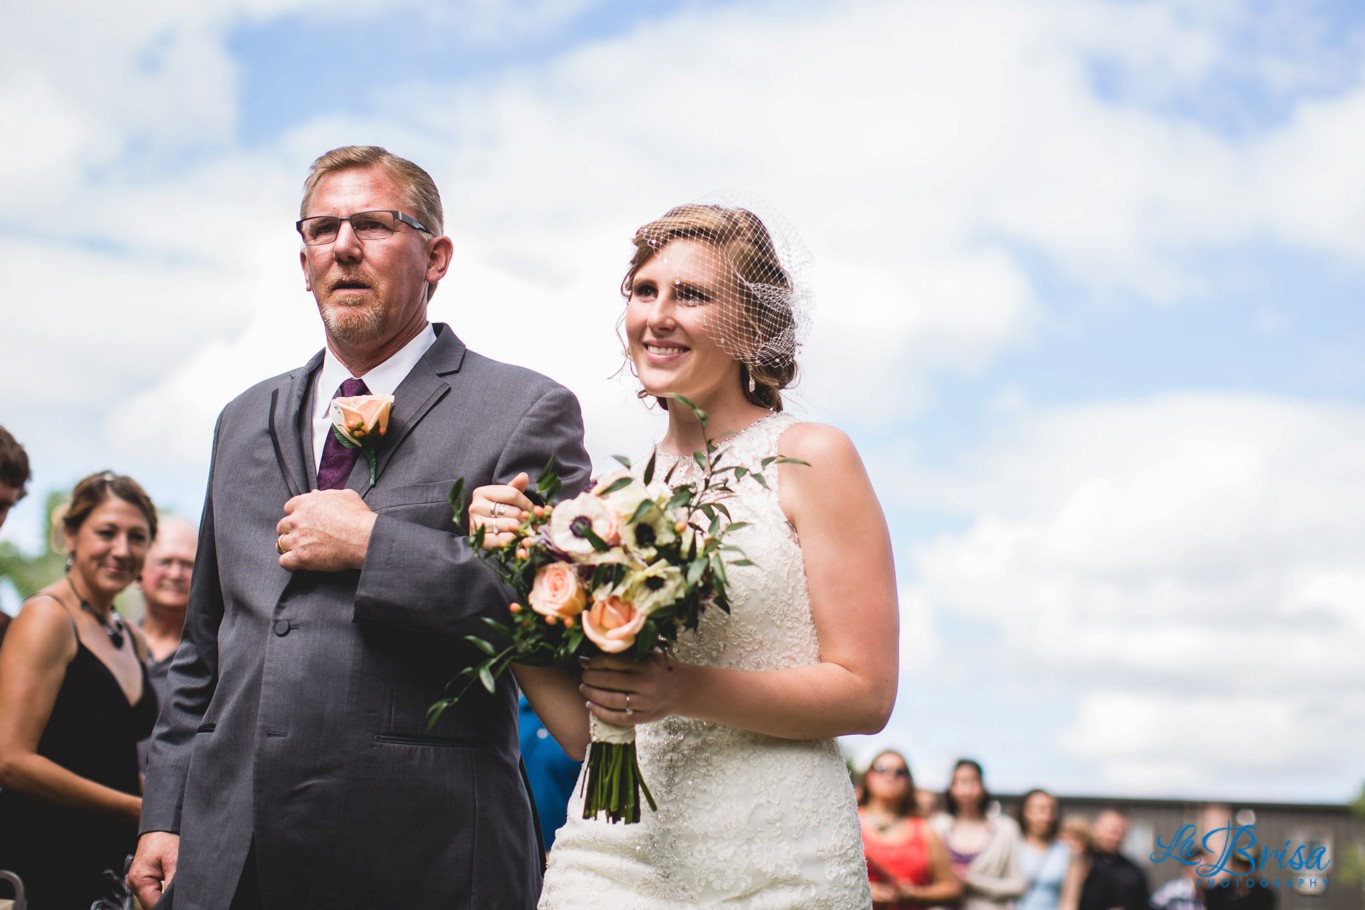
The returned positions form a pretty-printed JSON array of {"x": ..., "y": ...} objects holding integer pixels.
[
  {"x": 629, "y": 710},
  {"x": 495, "y": 511},
  {"x": 279, "y": 545}
]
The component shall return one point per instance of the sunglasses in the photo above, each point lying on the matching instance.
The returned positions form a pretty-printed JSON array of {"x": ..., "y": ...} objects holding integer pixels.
[{"x": 892, "y": 770}]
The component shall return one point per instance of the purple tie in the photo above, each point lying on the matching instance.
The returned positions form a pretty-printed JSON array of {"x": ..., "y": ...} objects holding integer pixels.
[{"x": 337, "y": 459}]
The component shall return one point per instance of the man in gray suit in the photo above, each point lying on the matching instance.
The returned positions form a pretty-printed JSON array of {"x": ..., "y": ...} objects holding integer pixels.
[{"x": 292, "y": 767}]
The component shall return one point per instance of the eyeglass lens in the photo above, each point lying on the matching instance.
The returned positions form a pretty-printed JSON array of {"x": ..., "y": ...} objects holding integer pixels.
[{"x": 367, "y": 226}]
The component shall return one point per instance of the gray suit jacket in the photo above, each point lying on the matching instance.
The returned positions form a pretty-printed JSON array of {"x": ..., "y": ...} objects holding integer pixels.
[{"x": 298, "y": 701}]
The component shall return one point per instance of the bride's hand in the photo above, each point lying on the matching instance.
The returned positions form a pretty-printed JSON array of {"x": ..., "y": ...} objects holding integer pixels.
[
  {"x": 500, "y": 508},
  {"x": 623, "y": 692}
]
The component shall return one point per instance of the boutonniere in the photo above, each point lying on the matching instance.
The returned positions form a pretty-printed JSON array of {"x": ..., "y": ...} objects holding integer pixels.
[{"x": 361, "y": 422}]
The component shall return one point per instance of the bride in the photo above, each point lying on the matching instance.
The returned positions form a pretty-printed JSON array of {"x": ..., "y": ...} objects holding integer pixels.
[{"x": 735, "y": 730}]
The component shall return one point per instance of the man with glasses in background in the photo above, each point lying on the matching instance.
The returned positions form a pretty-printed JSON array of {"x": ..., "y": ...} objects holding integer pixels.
[
  {"x": 293, "y": 766},
  {"x": 165, "y": 587}
]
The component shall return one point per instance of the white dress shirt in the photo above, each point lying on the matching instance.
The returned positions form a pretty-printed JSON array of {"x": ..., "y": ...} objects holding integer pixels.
[{"x": 382, "y": 380}]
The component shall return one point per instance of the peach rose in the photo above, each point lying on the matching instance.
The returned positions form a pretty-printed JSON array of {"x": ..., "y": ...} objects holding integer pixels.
[
  {"x": 362, "y": 416},
  {"x": 613, "y": 623},
  {"x": 557, "y": 591}
]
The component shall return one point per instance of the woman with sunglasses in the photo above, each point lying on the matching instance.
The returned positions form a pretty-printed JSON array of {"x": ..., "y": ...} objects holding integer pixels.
[{"x": 906, "y": 861}]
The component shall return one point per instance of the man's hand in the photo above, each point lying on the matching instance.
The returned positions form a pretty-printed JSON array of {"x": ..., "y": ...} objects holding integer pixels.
[
  {"x": 153, "y": 866},
  {"x": 325, "y": 531}
]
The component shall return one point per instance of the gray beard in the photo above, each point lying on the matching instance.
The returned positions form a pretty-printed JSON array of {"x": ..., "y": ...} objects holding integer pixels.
[{"x": 355, "y": 325}]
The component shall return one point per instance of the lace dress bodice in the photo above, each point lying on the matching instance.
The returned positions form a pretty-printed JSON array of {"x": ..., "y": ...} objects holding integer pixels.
[{"x": 744, "y": 819}]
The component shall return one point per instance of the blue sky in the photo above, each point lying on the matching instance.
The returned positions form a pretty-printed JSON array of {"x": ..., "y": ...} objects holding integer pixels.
[{"x": 1089, "y": 279}]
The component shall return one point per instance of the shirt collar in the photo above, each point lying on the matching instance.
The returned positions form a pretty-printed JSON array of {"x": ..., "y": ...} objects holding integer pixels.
[{"x": 382, "y": 380}]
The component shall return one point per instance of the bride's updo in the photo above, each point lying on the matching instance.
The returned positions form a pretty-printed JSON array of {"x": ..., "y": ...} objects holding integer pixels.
[{"x": 761, "y": 323}]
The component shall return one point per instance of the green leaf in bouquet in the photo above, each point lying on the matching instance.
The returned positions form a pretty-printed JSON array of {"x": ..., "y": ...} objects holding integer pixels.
[
  {"x": 495, "y": 625},
  {"x": 457, "y": 502},
  {"x": 695, "y": 570},
  {"x": 482, "y": 645},
  {"x": 761, "y": 480},
  {"x": 702, "y": 416},
  {"x": 681, "y": 496},
  {"x": 624, "y": 461},
  {"x": 649, "y": 466},
  {"x": 734, "y": 525},
  {"x": 598, "y": 543},
  {"x": 486, "y": 678},
  {"x": 783, "y": 459},
  {"x": 645, "y": 641},
  {"x": 742, "y": 562},
  {"x": 718, "y": 567},
  {"x": 435, "y": 711},
  {"x": 619, "y": 484},
  {"x": 644, "y": 508},
  {"x": 547, "y": 484},
  {"x": 701, "y": 461}
]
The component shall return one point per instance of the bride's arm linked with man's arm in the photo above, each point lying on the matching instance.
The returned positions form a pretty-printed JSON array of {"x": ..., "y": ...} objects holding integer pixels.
[{"x": 830, "y": 502}]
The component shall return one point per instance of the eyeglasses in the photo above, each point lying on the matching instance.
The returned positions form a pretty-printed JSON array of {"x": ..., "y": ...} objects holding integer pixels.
[
  {"x": 376, "y": 225},
  {"x": 892, "y": 770}
]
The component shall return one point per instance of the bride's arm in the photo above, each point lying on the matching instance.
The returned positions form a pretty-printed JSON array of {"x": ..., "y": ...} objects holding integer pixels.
[
  {"x": 847, "y": 551},
  {"x": 554, "y": 696}
]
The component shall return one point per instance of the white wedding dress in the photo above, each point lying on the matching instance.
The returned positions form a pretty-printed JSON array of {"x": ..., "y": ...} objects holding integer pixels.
[{"x": 744, "y": 820}]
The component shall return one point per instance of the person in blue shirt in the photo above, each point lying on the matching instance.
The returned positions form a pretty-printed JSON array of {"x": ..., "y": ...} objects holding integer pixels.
[{"x": 552, "y": 773}]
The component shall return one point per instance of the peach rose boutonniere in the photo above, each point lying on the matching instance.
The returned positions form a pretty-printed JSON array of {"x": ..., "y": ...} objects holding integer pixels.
[{"x": 360, "y": 422}]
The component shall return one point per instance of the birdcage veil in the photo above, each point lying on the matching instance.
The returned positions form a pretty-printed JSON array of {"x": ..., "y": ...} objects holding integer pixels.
[{"x": 759, "y": 307}]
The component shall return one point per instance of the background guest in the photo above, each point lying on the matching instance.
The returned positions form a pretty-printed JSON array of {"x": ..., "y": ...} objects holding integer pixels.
[
  {"x": 1185, "y": 892},
  {"x": 1114, "y": 880},
  {"x": 983, "y": 845},
  {"x": 74, "y": 701},
  {"x": 550, "y": 770},
  {"x": 906, "y": 861},
  {"x": 1054, "y": 870},
  {"x": 14, "y": 478},
  {"x": 165, "y": 595}
]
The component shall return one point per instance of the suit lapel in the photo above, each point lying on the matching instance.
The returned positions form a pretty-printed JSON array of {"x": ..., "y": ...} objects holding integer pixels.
[
  {"x": 419, "y": 391},
  {"x": 286, "y": 418}
]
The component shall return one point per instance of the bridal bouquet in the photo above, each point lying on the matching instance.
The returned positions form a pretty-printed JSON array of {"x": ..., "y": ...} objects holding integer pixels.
[{"x": 619, "y": 569}]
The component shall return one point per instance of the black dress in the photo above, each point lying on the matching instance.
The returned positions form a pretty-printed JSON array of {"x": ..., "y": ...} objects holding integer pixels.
[{"x": 59, "y": 851}]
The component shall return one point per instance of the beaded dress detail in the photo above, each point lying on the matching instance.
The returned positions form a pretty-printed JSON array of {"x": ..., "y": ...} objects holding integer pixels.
[{"x": 744, "y": 820}]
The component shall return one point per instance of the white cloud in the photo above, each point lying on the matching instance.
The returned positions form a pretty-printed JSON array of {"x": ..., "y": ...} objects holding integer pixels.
[{"x": 1190, "y": 563}]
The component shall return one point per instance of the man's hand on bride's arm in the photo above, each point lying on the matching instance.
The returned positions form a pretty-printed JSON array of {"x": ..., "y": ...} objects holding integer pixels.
[
  {"x": 324, "y": 531},
  {"x": 499, "y": 506}
]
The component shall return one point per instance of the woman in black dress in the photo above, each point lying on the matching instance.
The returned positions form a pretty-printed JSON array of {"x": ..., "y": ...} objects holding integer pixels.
[{"x": 74, "y": 701}]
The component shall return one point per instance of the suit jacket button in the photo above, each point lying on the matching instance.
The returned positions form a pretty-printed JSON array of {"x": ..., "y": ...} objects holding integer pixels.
[{"x": 281, "y": 627}]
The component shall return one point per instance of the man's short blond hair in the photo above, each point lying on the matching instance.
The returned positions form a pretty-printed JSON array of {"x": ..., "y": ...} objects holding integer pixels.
[{"x": 419, "y": 190}]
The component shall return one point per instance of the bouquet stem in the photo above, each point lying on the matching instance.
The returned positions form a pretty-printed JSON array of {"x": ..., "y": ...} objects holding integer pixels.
[{"x": 613, "y": 782}]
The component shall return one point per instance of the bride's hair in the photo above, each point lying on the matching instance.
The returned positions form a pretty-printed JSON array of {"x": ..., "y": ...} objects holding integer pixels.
[{"x": 763, "y": 331}]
